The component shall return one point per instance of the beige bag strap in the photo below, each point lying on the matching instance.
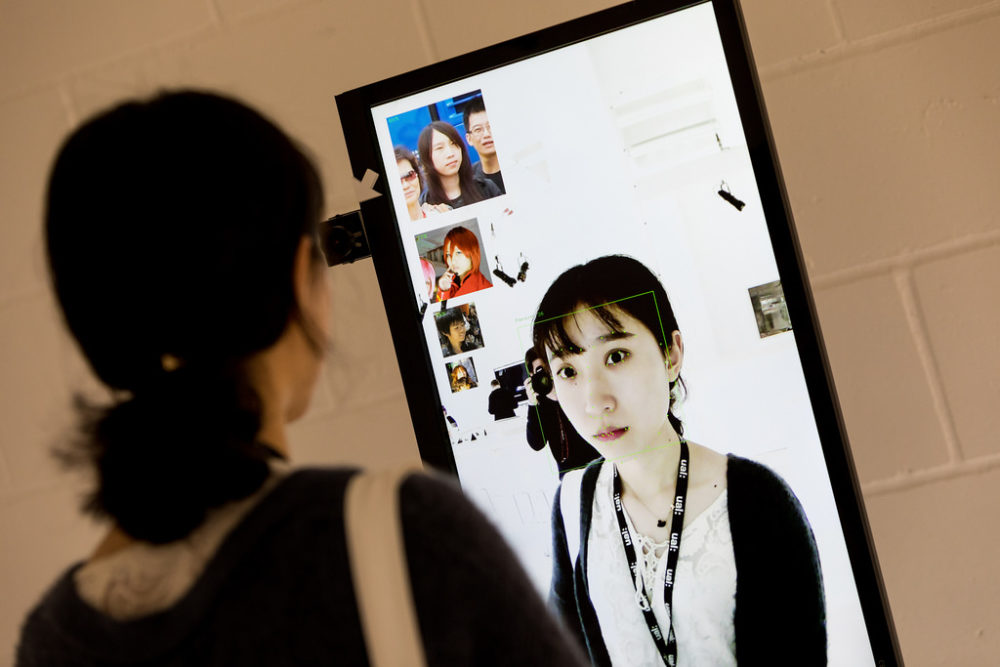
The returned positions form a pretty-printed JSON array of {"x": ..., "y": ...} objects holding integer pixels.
[{"x": 379, "y": 569}]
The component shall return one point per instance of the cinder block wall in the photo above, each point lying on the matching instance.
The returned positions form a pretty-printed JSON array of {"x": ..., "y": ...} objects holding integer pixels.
[{"x": 887, "y": 120}]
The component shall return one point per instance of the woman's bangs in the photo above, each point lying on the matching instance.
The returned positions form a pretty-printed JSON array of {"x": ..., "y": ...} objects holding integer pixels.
[{"x": 556, "y": 337}]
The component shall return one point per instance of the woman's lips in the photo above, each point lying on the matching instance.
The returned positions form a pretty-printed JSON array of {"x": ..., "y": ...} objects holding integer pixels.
[{"x": 610, "y": 434}]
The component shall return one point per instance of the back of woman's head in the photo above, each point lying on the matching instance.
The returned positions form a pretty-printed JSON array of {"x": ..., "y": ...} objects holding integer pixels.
[{"x": 172, "y": 227}]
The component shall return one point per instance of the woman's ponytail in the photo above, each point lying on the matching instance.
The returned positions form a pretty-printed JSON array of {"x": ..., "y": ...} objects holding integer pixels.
[{"x": 168, "y": 453}]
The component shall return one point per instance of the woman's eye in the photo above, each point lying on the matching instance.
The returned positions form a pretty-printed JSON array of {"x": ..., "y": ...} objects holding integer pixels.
[
  {"x": 566, "y": 372},
  {"x": 616, "y": 357}
]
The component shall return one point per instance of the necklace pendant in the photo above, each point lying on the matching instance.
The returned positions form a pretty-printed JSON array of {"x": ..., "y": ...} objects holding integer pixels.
[{"x": 660, "y": 523}]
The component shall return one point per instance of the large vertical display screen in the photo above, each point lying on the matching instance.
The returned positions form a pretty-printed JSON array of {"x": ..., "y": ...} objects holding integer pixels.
[{"x": 598, "y": 206}]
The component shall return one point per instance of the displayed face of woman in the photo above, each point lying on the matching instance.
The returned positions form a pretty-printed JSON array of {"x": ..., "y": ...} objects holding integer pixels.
[
  {"x": 445, "y": 154},
  {"x": 458, "y": 262},
  {"x": 456, "y": 335},
  {"x": 410, "y": 181},
  {"x": 615, "y": 389}
]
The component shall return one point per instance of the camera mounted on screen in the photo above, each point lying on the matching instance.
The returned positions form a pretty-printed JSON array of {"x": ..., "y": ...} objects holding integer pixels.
[
  {"x": 541, "y": 382},
  {"x": 342, "y": 239}
]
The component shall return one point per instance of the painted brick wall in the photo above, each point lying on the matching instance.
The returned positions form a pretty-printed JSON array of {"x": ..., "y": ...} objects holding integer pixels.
[{"x": 886, "y": 117}]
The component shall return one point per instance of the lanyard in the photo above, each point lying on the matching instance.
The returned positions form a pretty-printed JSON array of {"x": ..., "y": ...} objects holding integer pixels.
[{"x": 668, "y": 649}]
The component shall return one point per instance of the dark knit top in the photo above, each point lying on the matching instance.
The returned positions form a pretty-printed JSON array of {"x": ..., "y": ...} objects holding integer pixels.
[
  {"x": 780, "y": 616},
  {"x": 496, "y": 177},
  {"x": 278, "y": 592},
  {"x": 487, "y": 190}
]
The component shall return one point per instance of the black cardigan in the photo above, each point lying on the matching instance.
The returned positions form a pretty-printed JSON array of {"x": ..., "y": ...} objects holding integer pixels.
[{"x": 780, "y": 616}]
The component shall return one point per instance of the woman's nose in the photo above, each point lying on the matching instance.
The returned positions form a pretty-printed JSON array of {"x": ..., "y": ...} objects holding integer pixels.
[{"x": 600, "y": 399}]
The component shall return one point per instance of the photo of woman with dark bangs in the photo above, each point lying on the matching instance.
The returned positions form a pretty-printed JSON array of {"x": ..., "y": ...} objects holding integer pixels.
[
  {"x": 664, "y": 551},
  {"x": 463, "y": 256},
  {"x": 448, "y": 171},
  {"x": 458, "y": 330}
]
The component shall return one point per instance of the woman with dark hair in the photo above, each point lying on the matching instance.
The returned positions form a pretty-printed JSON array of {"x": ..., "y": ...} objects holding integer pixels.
[
  {"x": 664, "y": 550},
  {"x": 412, "y": 181},
  {"x": 463, "y": 256},
  {"x": 181, "y": 243},
  {"x": 453, "y": 332},
  {"x": 450, "y": 179}
]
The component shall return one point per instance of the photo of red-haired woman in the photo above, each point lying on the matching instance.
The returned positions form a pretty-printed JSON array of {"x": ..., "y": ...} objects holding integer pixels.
[{"x": 459, "y": 260}]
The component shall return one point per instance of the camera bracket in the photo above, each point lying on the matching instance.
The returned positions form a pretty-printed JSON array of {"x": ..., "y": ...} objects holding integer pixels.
[{"x": 342, "y": 239}]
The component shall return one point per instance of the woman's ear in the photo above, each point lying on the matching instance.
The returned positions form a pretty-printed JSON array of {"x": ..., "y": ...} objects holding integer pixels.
[
  {"x": 675, "y": 356},
  {"x": 303, "y": 275},
  {"x": 311, "y": 292}
]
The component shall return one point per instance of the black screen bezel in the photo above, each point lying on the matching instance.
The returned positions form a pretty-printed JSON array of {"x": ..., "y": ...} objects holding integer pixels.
[{"x": 402, "y": 309}]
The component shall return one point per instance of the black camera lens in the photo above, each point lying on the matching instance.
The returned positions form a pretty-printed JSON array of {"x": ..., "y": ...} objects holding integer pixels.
[{"x": 541, "y": 382}]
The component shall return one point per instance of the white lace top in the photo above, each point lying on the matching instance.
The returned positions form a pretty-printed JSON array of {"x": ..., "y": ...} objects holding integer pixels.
[
  {"x": 704, "y": 592},
  {"x": 142, "y": 578}
]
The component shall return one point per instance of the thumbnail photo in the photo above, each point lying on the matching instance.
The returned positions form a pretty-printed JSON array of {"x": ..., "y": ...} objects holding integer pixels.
[
  {"x": 770, "y": 309},
  {"x": 445, "y": 155},
  {"x": 461, "y": 375},
  {"x": 457, "y": 259},
  {"x": 458, "y": 329}
]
